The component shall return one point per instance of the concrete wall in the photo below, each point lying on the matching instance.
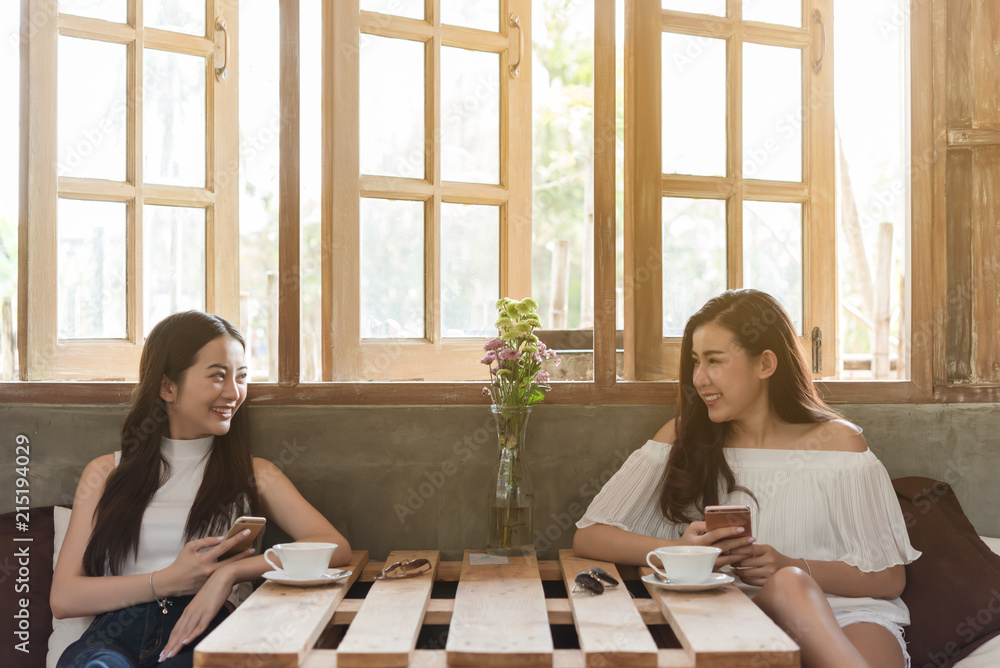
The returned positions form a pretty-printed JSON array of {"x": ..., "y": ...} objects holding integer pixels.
[{"x": 415, "y": 476}]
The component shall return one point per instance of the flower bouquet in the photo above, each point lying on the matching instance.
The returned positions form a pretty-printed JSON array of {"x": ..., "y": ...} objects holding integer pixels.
[{"x": 517, "y": 382}]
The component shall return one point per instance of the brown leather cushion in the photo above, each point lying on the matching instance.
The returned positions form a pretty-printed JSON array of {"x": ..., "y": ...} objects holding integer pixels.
[
  {"x": 953, "y": 589},
  {"x": 26, "y": 578}
]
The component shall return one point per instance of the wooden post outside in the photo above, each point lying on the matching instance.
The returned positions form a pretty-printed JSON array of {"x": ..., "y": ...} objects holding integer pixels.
[
  {"x": 560, "y": 285},
  {"x": 7, "y": 341},
  {"x": 883, "y": 281},
  {"x": 272, "y": 326}
]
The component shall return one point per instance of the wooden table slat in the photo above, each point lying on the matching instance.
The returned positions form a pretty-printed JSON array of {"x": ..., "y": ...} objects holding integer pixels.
[
  {"x": 384, "y": 632},
  {"x": 723, "y": 628},
  {"x": 277, "y": 626},
  {"x": 609, "y": 626},
  {"x": 500, "y": 618}
]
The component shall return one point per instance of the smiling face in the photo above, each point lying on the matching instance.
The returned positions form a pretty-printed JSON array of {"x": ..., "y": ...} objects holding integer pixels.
[
  {"x": 210, "y": 391},
  {"x": 731, "y": 384}
]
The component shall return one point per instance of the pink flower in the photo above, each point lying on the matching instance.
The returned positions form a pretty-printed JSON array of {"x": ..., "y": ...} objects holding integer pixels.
[
  {"x": 537, "y": 357},
  {"x": 509, "y": 355},
  {"x": 493, "y": 344},
  {"x": 490, "y": 358},
  {"x": 542, "y": 377}
]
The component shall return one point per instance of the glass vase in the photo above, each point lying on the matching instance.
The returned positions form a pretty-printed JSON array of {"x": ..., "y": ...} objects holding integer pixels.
[{"x": 510, "y": 531}]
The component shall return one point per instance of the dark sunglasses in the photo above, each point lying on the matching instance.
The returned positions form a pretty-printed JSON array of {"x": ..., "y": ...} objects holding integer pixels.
[
  {"x": 404, "y": 569},
  {"x": 595, "y": 580}
]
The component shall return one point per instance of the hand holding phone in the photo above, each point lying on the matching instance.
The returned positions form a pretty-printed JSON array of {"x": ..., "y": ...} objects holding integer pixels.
[
  {"x": 733, "y": 515},
  {"x": 255, "y": 524}
]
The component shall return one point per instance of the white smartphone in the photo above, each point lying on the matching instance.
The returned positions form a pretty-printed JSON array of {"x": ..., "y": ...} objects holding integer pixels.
[{"x": 255, "y": 524}]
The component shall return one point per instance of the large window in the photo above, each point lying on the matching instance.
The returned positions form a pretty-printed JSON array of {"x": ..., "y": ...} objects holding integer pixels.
[
  {"x": 729, "y": 174},
  {"x": 129, "y": 195},
  {"x": 388, "y": 174}
]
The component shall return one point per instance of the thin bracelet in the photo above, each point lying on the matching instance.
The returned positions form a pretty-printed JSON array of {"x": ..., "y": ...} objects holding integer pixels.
[
  {"x": 802, "y": 558},
  {"x": 163, "y": 603}
]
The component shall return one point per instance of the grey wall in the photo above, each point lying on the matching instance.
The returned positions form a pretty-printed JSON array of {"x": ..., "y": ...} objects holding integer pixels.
[{"x": 415, "y": 476}]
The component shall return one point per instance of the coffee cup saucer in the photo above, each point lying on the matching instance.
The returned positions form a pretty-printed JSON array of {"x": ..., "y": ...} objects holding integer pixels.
[
  {"x": 331, "y": 576},
  {"x": 713, "y": 581}
]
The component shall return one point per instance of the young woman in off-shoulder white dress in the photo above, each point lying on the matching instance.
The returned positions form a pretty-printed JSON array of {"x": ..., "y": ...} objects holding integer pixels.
[{"x": 829, "y": 544}]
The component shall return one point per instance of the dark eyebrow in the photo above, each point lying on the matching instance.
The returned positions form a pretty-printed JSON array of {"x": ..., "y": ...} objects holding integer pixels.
[
  {"x": 225, "y": 368},
  {"x": 711, "y": 352}
]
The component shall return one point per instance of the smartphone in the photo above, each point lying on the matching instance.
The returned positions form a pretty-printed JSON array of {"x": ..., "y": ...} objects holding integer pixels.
[
  {"x": 255, "y": 524},
  {"x": 734, "y": 515}
]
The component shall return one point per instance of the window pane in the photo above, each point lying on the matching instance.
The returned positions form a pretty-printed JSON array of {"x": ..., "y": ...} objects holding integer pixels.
[
  {"x": 713, "y": 7},
  {"x": 772, "y": 113},
  {"x": 482, "y": 14},
  {"x": 260, "y": 129},
  {"x": 694, "y": 258},
  {"x": 694, "y": 105},
  {"x": 470, "y": 269},
  {"x": 91, "y": 109},
  {"x": 109, "y": 10},
  {"x": 392, "y": 269},
  {"x": 392, "y": 107},
  {"x": 772, "y": 253},
  {"x": 413, "y": 9},
  {"x": 562, "y": 98},
  {"x": 177, "y": 15},
  {"x": 785, "y": 12},
  {"x": 10, "y": 16},
  {"x": 873, "y": 188},
  {"x": 173, "y": 262},
  {"x": 173, "y": 124},
  {"x": 470, "y": 116},
  {"x": 310, "y": 189},
  {"x": 91, "y": 269}
]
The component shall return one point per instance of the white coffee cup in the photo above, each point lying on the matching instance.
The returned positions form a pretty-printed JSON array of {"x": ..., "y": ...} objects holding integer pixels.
[
  {"x": 684, "y": 564},
  {"x": 302, "y": 561}
]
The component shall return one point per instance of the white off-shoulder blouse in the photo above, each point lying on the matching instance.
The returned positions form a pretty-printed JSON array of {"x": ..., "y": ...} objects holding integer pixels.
[{"x": 826, "y": 506}]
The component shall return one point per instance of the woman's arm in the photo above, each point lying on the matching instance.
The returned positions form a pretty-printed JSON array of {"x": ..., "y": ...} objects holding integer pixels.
[
  {"x": 296, "y": 516},
  {"x": 833, "y": 577},
  {"x": 75, "y": 594},
  {"x": 608, "y": 543}
]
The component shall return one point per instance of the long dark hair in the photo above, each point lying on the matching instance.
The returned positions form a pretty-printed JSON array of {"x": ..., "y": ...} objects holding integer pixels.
[
  {"x": 228, "y": 487},
  {"x": 697, "y": 468}
]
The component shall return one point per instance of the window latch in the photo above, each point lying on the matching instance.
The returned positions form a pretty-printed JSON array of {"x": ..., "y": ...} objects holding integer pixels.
[{"x": 817, "y": 350}]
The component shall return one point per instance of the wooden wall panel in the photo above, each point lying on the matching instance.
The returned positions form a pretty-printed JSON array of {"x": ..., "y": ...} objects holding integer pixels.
[
  {"x": 959, "y": 299},
  {"x": 959, "y": 82},
  {"x": 986, "y": 255}
]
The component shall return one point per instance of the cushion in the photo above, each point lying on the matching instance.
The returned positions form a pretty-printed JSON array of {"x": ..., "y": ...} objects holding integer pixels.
[
  {"x": 953, "y": 589},
  {"x": 26, "y": 576}
]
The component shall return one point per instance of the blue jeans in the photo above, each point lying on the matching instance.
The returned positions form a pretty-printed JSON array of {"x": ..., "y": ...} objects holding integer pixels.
[{"x": 133, "y": 637}]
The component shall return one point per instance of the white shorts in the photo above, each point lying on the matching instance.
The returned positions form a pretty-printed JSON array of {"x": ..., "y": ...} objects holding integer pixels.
[{"x": 848, "y": 617}]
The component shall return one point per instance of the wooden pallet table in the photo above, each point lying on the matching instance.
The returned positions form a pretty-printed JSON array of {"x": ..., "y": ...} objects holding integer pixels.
[{"x": 499, "y": 616}]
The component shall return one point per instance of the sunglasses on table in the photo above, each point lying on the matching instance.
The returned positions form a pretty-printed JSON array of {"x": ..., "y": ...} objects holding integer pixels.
[
  {"x": 595, "y": 580},
  {"x": 404, "y": 569}
]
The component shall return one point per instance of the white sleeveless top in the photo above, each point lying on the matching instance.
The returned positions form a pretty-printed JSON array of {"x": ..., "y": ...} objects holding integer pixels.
[
  {"x": 161, "y": 536},
  {"x": 827, "y": 506}
]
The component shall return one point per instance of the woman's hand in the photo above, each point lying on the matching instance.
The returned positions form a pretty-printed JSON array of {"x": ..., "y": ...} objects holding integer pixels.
[
  {"x": 727, "y": 539},
  {"x": 759, "y": 562},
  {"x": 199, "y": 613},
  {"x": 196, "y": 563}
]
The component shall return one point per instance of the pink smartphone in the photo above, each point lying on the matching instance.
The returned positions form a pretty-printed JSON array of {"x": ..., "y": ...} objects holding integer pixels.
[
  {"x": 732, "y": 515},
  {"x": 255, "y": 524}
]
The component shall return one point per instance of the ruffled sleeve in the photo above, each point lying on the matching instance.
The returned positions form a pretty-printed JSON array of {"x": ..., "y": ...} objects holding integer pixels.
[{"x": 630, "y": 500}]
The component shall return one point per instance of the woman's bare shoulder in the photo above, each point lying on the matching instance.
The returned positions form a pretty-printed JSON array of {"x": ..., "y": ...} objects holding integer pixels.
[
  {"x": 836, "y": 436},
  {"x": 667, "y": 433}
]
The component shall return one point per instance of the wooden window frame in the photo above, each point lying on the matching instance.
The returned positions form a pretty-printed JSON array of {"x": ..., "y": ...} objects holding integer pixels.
[
  {"x": 346, "y": 356},
  {"x": 43, "y": 356},
  {"x": 649, "y": 355},
  {"x": 926, "y": 241}
]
